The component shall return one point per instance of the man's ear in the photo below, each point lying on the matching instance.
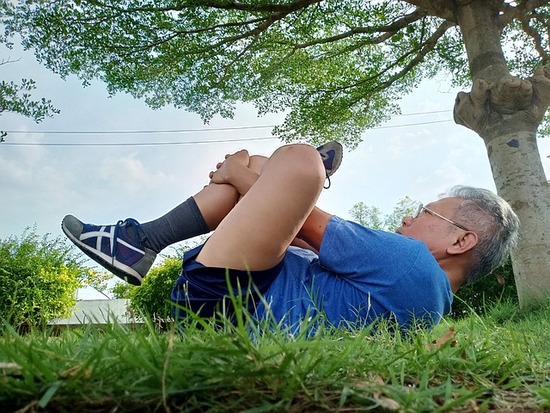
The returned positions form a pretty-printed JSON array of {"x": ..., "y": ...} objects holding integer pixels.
[{"x": 465, "y": 241}]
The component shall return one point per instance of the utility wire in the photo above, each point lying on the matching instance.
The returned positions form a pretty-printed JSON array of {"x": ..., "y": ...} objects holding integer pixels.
[
  {"x": 46, "y": 132},
  {"x": 193, "y": 142},
  {"x": 140, "y": 143},
  {"x": 149, "y": 132}
]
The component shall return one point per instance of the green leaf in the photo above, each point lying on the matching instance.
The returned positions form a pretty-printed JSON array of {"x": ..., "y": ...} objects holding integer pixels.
[{"x": 45, "y": 399}]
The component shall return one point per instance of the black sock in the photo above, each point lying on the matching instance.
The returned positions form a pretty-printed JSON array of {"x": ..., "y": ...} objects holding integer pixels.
[{"x": 183, "y": 222}]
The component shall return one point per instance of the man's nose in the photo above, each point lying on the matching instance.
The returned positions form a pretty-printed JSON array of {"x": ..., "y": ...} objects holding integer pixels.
[{"x": 406, "y": 221}]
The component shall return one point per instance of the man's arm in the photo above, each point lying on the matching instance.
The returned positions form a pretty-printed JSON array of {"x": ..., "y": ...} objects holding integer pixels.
[{"x": 313, "y": 230}]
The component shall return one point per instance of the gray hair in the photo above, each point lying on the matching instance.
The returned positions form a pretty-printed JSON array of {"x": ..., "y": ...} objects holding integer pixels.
[{"x": 495, "y": 224}]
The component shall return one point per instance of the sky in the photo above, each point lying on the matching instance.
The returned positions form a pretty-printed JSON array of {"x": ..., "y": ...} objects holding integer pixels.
[{"x": 89, "y": 160}]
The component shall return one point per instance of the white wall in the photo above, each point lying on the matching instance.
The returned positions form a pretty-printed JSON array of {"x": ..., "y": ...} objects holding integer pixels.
[{"x": 98, "y": 312}]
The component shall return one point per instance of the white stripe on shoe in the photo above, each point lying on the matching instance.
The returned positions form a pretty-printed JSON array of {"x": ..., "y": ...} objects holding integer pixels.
[{"x": 110, "y": 235}]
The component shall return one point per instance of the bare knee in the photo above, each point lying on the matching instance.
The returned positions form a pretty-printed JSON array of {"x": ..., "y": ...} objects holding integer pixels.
[
  {"x": 303, "y": 160},
  {"x": 257, "y": 163}
]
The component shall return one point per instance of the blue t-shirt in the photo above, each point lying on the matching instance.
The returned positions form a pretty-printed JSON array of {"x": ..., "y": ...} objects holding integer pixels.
[{"x": 359, "y": 275}]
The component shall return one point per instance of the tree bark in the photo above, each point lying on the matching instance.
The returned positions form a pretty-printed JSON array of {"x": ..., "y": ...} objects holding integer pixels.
[{"x": 505, "y": 112}]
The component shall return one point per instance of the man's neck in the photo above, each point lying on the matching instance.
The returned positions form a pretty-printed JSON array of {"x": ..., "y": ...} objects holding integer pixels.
[{"x": 455, "y": 273}]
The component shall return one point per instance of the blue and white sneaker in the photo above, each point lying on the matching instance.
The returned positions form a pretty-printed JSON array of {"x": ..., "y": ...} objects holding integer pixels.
[
  {"x": 112, "y": 246},
  {"x": 331, "y": 154}
]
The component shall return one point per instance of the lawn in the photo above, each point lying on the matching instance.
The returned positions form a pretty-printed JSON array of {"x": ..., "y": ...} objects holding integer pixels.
[{"x": 499, "y": 361}]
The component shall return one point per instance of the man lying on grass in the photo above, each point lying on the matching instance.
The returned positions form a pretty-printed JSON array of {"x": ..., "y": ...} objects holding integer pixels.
[{"x": 301, "y": 260}]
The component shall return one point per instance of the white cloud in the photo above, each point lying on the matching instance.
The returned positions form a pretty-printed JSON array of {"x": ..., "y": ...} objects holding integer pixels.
[{"x": 129, "y": 174}]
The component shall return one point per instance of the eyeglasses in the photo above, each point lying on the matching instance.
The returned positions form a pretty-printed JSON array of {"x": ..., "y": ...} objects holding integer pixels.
[{"x": 422, "y": 207}]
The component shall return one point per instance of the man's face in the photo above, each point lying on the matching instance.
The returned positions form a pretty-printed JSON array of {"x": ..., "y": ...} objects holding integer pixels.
[{"x": 431, "y": 229}]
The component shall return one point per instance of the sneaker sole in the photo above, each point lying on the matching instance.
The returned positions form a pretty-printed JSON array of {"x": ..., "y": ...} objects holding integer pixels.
[
  {"x": 338, "y": 155},
  {"x": 121, "y": 270},
  {"x": 336, "y": 164}
]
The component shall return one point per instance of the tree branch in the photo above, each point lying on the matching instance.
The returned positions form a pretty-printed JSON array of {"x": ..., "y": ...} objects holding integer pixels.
[
  {"x": 389, "y": 30},
  {"x": 509, "y": 13},
  {"x": 5, "y": 62},
  {"x": 278, "y": 12},
  {"x": 422, "y": 51},
  {"x": 537, "y": 40},
  {"x": 270, "y": 8},
  {"x": 223, "y": 41},
  {"x": 439, "y": 8},
  {"x": 222, "y": 5},
  {"x": 428, "y": 46}
]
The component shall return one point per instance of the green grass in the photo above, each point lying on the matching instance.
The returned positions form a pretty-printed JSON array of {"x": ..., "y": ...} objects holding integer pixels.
[{"x": 496, "y": 362}]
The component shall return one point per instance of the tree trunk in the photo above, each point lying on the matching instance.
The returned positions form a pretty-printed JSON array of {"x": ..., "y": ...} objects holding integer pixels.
[
  {"x": 506, "y": 111},
  {"x": 520, "y": 179}
]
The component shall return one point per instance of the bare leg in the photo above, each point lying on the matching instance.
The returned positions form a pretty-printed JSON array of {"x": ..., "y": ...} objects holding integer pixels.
[
  {"x": 258, "y": 206},
  {"x": 256, "y": 233},
  {"x": 215, "y": 201},
  {"x": 311, "y": 234}
]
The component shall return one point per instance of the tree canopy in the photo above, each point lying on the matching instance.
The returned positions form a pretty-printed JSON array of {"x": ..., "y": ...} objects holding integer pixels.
[
  {"x": 371, "y": 216},
  {"x": 354, "y": 57},
  {"x": 16, "y": 98},
  {"x": 302, "y": 57}
]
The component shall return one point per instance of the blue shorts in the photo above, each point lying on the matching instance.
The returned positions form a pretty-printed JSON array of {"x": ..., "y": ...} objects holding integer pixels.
[{"x": 205, "y": 290}]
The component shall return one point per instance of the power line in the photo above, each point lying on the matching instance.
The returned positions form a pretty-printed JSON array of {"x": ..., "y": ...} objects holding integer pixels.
[
  {"x": 150, "y": 132},
  {"x": 139, "y": 143},
  {"x": 412, "y": 124},
  {"x": 169, "y": 131},
  {"x": 433, "y": 112},
  {"x": 193, "y": 142}
]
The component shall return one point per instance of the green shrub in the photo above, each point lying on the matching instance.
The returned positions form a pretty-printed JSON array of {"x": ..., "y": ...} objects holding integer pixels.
[
  {"x": 38, "y": 279},
  {"x": 122, "y": 290},
  {"x": 482, "y": 295},
  {"x": 152, "y": 298}
]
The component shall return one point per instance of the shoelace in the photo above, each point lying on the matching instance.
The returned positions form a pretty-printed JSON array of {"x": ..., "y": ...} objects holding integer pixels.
[
  {"x": 118, "y": 225},
  {"x": 326, "y": 157},
  {"x": 327, "y": 186},
  {"x": 115, "y": 240}
]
